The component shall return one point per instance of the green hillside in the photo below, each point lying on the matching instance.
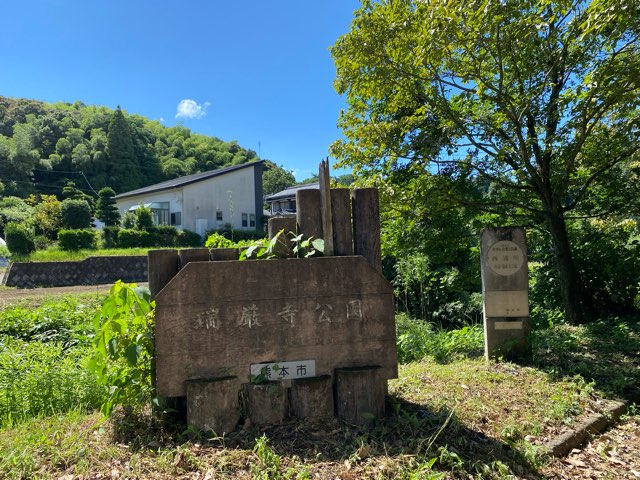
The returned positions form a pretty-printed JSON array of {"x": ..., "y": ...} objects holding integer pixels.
[{"x": 45, "y": 145}]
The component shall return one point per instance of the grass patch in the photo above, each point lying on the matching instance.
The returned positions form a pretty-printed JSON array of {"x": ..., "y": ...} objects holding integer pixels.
[
  {"x": 44, "y": 349},
  {"x": 55, "y": 254},
  {"x": 605, "y": 352},
  {"x": 451, "y": 414},
  {"x": 417, "y": 339}
]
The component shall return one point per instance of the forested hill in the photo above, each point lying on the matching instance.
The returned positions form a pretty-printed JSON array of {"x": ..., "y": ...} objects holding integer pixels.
[{"x": 45, "y": 145}]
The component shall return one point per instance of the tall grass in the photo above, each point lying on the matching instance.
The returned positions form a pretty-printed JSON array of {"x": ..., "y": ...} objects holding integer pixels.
[
  {"x": 39, "y": 379},
  {"x": 43, "y": 355},
  {"x": 417, "y": 339}
]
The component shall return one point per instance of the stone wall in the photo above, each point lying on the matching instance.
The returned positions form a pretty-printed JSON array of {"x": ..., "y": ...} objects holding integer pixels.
[{"x": 91, "y": 271}]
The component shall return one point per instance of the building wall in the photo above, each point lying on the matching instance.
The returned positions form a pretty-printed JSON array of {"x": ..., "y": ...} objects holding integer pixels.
[{"x": 232, "y": 194}]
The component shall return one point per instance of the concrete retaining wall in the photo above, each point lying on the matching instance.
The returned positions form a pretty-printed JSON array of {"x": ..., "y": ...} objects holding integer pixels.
[{"x": 91, "y": 271}]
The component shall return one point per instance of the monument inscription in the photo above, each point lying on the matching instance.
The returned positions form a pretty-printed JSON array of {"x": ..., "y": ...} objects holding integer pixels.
[{"x": 505, "y": 258}]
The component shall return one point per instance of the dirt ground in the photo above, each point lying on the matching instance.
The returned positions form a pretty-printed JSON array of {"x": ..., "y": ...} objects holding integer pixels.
[{"x": 615, "y": 454}]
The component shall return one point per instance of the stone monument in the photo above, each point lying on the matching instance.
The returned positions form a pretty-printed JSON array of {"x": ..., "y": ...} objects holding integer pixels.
[
  {"x": 260, "y": 340},
  {"x": 503, "y": 254}
]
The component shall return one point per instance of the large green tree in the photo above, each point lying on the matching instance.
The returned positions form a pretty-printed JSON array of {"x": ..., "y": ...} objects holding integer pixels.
[
  {"x": 124, "y": 170},
  {"x": 276, "y": 178},
  {"x": 535, "y": 100}
]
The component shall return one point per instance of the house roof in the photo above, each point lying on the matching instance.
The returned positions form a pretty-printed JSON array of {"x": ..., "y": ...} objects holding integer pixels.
[
  {"x": 186, "y": 180},
  {"x": 290, "y": 192}
]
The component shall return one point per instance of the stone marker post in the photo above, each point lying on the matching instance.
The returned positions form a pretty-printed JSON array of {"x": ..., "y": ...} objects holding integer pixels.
[{"x": 503, "y": 260}]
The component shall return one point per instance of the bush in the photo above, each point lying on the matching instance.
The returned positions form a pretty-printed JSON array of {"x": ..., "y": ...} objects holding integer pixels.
[
  {"x": 607, "y": 255},
  {"x": 41, "y": 242},
  {"x": 164, "y": 236},
  {"x": 77, "y": 239},
  {"x": 128, "y": 238},
  {"x": 418, "y": 339},
  {"x": 76, "y": 214},
  {"x": 215, "y": 240},
  {"x": 19, "y": 239},
  {"x": 237, "y": 235},
  {"x": 110, "y": 237},
  {"x": 129, "y": 220},
  {"x": 187, "y": 238},
  {"x": 144, "y": 218}
]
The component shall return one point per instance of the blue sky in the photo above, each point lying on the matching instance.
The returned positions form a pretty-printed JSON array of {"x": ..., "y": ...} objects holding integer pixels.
[{"x": 258, "y": 72}]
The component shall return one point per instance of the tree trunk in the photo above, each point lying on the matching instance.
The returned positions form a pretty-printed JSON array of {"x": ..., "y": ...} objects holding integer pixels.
[{"x": 571, "y": 288}]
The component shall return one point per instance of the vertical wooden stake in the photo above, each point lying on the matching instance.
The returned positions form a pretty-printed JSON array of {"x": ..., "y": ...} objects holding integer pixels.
[
  {"x": 286, "y": 225},
  {"x": 366, "y": 225},
  {"x": 342, "y": 229},
  {"x": 187, "y": 255},
  {"x": 308, "y": 212},
  {"x": 162, "y": 267},
  {"x": 325, "y": 207}
]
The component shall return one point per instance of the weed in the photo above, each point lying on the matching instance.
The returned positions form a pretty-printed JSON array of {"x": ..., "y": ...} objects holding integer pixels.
[{"x": 267, "y": 466}]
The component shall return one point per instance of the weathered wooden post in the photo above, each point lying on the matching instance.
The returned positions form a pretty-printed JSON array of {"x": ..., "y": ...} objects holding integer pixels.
[
  {"x": 284, "y": 245},
  {"x": 503, "y": 254},
  {"x": 325, "y": 207},
  {"x": 312, "y": 397},
  {"x": 212, "y": 404},
  {"x": 308, "y": 212},
  {"x": 366, "y": 225},
  {"x": 360, "y": 394},
  {"x": 221, "y": 254},
  {"x": 162, "y": 267},
  {"x": 341, "y": 217},
  {"x": 187, "y": 255}
]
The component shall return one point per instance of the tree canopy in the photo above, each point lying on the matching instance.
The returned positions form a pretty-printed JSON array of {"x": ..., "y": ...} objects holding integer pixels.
[
  {"x": 528, "y": 108},
  {"x": 43, "y": 146}
]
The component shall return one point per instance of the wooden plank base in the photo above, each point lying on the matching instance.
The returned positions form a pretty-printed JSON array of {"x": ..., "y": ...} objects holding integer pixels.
[
  {"x": 359, "y": 394},
  {"x": 212, "y": 404}
]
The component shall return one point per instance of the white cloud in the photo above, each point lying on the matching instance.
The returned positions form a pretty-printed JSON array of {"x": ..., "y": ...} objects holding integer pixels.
[{"x": 188, "y": 108}]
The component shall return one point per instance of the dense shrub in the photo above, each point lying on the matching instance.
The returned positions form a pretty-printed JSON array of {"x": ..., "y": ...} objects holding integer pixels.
[
  {"x": 164, "y": 236},
  {"x": 144, "y": 218},
  {"x": 110, "y": 237},
  {"x": 128, "y": 238},
  {"x": 418, "y": 339},
  {"x": 435, "y": 292},
  {"x": 19, "y": 239},
  {"x": 106, "y": 208},
  {"x": 76, "y": 214},
  {"x": 607, "y": 255},
  {"x": 237, "y": 235},
  {"x": 77, "y": 239},
  {"x": 41, "y": 242},
  {"x": 128, "y": 220},
  {"x": 187, "y": 238},
  {"x": 215, "y": 240}
]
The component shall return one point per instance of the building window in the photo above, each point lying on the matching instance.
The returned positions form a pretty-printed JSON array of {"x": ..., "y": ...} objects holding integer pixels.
[
  {"x": 219, "y": 215},
  {"x": 176, "y": 218},
  {"x": 244, "y": 219},
  {"x": 252, "y": 220},
  {"x": 160, "y": 212}
]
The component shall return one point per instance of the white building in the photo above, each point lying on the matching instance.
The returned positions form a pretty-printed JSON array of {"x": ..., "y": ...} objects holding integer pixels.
[{"x": 203, "y": 201}]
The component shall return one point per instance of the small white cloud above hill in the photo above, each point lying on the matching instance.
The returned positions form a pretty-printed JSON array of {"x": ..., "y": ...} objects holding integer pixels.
[{"x": 188, "y": 108}]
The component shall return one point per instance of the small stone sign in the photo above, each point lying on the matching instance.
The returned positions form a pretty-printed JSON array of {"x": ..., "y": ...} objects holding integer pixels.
[{"x": 282, "y": 370}]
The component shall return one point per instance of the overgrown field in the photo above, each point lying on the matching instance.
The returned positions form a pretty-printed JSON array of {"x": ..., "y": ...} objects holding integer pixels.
[{"x": 450, "y": 413}]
